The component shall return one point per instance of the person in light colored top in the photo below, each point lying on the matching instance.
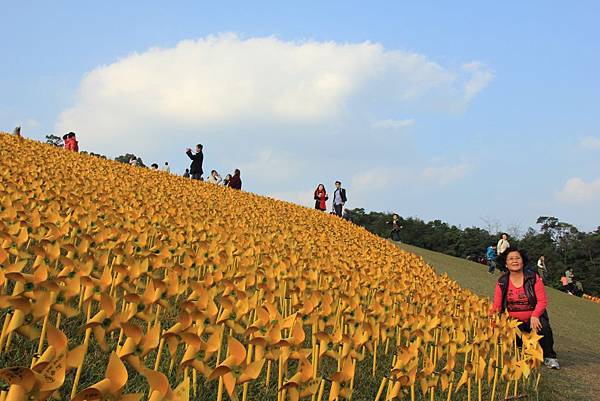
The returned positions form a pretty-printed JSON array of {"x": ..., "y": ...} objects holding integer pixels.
[
  {"x": 541, "y": 265},
  {"x": 166, "y": 167},
  {"x": 214, "y": 177},
  {"x": 503, "y": 244}
]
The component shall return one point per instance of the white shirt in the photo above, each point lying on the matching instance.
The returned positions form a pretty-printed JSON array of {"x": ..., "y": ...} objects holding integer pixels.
[{"x": 502, "y": 246}]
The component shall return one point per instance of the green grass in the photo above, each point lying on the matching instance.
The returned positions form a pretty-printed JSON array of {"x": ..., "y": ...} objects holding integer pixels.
[{"x": 575, "y": 324}]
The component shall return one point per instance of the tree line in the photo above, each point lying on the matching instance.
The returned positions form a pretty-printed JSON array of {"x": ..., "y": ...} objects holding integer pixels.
[{"x": 562, "y": 244}]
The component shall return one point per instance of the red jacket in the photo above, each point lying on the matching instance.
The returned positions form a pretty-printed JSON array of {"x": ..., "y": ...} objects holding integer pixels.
[
  {"x": 72, "y": 144},
  {"x": 321, "y": 198}
]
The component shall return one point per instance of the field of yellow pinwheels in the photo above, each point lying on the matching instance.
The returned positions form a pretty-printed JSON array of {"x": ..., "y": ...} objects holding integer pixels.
[{"x": 123, "y": 283}]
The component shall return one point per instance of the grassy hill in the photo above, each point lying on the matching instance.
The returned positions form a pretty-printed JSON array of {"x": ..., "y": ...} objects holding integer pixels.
[{"x": 575, "y": 322}]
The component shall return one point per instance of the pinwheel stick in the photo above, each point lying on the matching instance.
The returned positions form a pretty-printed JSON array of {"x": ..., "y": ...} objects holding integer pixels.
[
  {"x": 469, "y": 388},
  {"x": 280, "y": 378},
  {"x": 220, "y": 389},
  {"x": 375, "y": 357},
  {"x": 381, "y": 387},
  {"x": 495, "y": 382},
  {"x": 4, "y": 328},
  {"x": 161, "y": 345},
  {"x": 268, "y": 378},
  {"x": 449, "y": 397},
  {"x": 42, "y": 337},
  {"x": 86, "y": 341},
  {"x": 321, "y": 389}
]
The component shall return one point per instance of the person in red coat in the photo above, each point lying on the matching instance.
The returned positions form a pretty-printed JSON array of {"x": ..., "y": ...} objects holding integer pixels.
[
  {"x": 236, "y": 181},
  {"x": 71, "y": 142},
  {"x": 321, "y": 198}
]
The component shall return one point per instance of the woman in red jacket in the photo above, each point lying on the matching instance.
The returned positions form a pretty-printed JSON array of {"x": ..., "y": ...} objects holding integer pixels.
[
  {"x": 321, "y": 198},
  {"x": 521, "y": 292},
  {"x": 71, "y": 142}
]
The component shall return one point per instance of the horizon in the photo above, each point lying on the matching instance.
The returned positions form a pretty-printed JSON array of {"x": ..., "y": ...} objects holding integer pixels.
[{"x": 463, "y": 113}]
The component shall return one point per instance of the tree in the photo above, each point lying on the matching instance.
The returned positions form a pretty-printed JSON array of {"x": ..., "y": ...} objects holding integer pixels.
[{"x": 54, "y": 140}]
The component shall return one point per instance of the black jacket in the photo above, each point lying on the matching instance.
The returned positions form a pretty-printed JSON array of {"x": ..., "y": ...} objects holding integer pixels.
[
  {"x": 197, "y": 159},
  {"x": 529, "y": 285},
  {"x": 342, "y": 194}
]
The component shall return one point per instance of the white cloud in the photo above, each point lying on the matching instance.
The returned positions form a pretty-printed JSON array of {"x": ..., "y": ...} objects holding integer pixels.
[
  {"x": 590, "y": 143},
  {"x": 393, "y": 124},
  {"x": 445, "y": 175},
  {"x": 480, "y": 78},
  {"x": 576, "y": 190},
  {"x": 271, "y": 166},
  {"x": 301, "y": 197},
  {"x": 378, "y": 178},
  {"x": 217, "y": 84}
]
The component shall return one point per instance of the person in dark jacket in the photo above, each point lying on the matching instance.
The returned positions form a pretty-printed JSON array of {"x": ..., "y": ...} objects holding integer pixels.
[
  {"x": 321, "y": 198},
  {"x": 396, "y": 227},
  {"x": 339, "y": 198},
  {"x": 236, "y": 180},
  {"x": 197, "y": 159},
  {"x": 521, "y": 292}
]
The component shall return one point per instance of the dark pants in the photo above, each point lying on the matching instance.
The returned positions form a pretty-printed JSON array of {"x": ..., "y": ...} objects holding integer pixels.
[
  {"x": 395, "y": 235},
  {"x": 547, "y": 342},
  {"x": 338, "y": 209},
  {"x": 491, "y": 266},
  {"x": 197, "y": 177}
]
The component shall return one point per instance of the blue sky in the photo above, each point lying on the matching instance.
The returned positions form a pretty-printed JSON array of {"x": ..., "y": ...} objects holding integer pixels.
[{"x": 462, "y": 111}]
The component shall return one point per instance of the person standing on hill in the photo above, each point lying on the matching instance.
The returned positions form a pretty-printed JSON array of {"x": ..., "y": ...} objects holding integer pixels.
[
  {"x": 166, "y": 167},
  {"x": 71, "y": 142},
  {"x": 396, "y": 227},
  {"x": 236, "y": 180},
  {"x": 490, "y": 255},
  {"x": 521, "y": 292},
  {"x": 321, "y": 198},
  {"x": 197, "y": 160},
  {"x": 503, "y": 244},
  {"x": 570, "y": 281},
  {"x": 339, "y": 199},
  {"x": 186, "y": 173},
  {"x": 541, "y": 265}
]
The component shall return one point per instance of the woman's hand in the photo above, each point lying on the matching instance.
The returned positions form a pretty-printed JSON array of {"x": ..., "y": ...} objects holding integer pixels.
[{"x": 535, "y": 323}]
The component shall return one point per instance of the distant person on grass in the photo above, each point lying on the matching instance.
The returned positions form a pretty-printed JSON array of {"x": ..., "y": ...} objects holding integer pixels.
[
  {"x": 226, "y": 180},
  {"x": 490, "y": 256},
  {"x": 321, "y": 198},
  {"x": 154, "y": 166},
  {"x": 396, "y": 227},
  {"x": 339, "y": 198},
  {"x": 541, "y": 268},
  {"x": 166, "y": 167},
  {"x": 521, "y": 292},
  {"x": 570, "y": 281},
  {"x": 236, "y": 180},
  {"x": 197, "y": 160}
]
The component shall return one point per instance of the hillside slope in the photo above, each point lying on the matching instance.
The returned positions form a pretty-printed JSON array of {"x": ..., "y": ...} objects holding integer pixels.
[{"x": 575, "y": 322}]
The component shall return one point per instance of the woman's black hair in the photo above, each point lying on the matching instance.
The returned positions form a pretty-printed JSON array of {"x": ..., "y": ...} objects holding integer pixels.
[{"x": 501, "y": 259}]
